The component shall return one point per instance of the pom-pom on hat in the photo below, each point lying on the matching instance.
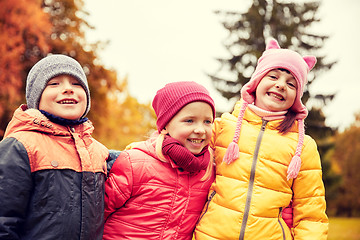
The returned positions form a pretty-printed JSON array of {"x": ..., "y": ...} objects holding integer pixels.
[
  {"x": 170, "y": 99},
  {"x": 273, "y": 58},
  {"x": 46, "y": 69}
]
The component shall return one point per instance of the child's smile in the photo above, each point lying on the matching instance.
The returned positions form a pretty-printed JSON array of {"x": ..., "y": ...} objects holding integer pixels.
[
  {"x": 276, "y": 95},
  {"x": 68, "y": 101}
]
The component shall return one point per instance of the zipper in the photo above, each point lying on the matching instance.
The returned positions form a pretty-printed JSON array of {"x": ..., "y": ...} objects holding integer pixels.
[
  {"x": 282, "y": 227},
  {"x": 207, "y": 205},
  {"x": 251, "y": 180}
]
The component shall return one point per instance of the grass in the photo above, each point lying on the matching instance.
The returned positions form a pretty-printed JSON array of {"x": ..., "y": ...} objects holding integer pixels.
[{"x": 344, "y": 229}]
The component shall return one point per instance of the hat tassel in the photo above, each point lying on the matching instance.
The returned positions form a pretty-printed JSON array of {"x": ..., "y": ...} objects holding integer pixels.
[
  {"x": 294, "y": 167},
  {"x": 232, "y": 152},
  {"x": 295, "y": 164}
]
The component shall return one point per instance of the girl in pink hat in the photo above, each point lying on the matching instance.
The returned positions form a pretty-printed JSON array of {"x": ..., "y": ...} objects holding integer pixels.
[
  {"x": 264, "y": 160},
  {"x": 157, "y": 189}
]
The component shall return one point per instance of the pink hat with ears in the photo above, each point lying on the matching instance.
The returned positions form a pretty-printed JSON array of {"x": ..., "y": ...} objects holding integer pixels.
[{"x": 273, "y": 58}]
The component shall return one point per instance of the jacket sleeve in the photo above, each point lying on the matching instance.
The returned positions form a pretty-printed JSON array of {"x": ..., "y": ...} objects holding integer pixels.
[
  {"x": 113, "y": 155},
  {"x": 15, "y": 187},
  {"x": 310, "y": 220},
  {"x": 119, "y": 184}
]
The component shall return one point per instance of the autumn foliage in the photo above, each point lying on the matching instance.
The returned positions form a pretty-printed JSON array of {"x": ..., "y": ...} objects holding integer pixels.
[
  {"x": 347, "y": 157},
  {"x": 32, "y": 29},
  {"x": 22, "y": 43}
]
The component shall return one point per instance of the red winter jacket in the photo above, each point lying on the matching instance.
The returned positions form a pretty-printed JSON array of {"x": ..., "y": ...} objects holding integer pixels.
[{"x": 146, "y": 198}]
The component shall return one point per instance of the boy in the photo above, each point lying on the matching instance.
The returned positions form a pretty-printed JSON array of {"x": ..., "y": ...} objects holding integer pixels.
[{"x": 52, "y": 172}]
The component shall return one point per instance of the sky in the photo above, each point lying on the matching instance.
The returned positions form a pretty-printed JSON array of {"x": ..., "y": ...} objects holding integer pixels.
[{"x": 160, "y": 41}]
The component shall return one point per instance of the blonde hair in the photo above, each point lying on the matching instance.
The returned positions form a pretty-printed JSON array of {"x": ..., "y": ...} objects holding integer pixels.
[{"x": 158, "y": 150}]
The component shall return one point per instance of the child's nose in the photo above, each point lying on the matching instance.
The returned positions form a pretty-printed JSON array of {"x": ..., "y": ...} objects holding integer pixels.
[
  {"x": 68, "y": 88},
  {"x": 199, "y": 129},
  {"x": 280, "y": 84}
]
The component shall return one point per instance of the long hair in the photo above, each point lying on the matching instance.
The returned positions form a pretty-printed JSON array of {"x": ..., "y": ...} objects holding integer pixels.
[
  {"x": 158, "y": 150},
  {"x": 289, "y": 119},
  {"x": 287, "y": 122}
]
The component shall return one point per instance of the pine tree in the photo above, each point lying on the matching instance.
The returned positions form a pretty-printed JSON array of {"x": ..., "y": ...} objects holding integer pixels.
[{"x": 248, "y": 32}]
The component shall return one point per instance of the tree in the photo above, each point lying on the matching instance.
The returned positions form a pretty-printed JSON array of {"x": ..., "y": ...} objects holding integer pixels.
[
  {"x": 347, "y": 156},
  {"x": 118, "y": 118},
  {"x": 286, "y": 22},
  {"x": 65, "y": 23},
  {"x": 289, "y": 24},
  {"x": 24, "y": 28},
  {"x": 129, "y": 121}
]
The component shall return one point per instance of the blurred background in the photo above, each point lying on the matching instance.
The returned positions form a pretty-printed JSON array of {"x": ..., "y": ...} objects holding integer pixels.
[{"x": 130, "y": 49}]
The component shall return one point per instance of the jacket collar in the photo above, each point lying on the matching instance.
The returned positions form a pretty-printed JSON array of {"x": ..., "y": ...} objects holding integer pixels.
[
  {"x": 252, "y": 117},
  {"x": 25, "y": 119}
]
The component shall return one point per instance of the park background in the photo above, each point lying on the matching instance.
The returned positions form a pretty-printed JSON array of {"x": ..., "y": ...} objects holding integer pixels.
[{"x": 129, "y": 49}]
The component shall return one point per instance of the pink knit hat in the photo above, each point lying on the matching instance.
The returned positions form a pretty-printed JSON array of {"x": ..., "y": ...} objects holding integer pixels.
[
  {"x": 170, "y": 99},
  {"x": 272, "y": 58}
]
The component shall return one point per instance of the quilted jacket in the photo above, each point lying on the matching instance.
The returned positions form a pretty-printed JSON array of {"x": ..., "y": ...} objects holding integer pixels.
[
  {"x": 146, "y": 198},
  {"x": 248, "y": 195},
  {"x": 51, "y": 180}
]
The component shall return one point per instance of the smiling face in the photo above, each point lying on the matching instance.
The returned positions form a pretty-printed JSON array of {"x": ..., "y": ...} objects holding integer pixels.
[
  {"x": 191, "y": 126},
  {"x": 64, "y": 97},
  {"x": 276, "y": 91}
]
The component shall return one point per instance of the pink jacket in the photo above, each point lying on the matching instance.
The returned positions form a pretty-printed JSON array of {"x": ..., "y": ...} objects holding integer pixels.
[{"x": 146, "y": 198}]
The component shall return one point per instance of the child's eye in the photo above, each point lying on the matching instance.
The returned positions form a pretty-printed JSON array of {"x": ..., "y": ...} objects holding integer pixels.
[
  {"x": 208, "y": 122},
  {"x": 52, "y": 83},
  {"x": 189, "y": 120},
  {"x": 292, "y": 85},
  {"x": 273, "y": 77}
]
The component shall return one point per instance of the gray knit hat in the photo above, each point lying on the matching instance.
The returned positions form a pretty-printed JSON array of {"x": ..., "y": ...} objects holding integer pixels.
[{"x": 48, "y": 68}]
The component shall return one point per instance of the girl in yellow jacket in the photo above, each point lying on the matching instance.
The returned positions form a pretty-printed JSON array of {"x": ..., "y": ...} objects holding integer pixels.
[{"x": 264, "y": 160}]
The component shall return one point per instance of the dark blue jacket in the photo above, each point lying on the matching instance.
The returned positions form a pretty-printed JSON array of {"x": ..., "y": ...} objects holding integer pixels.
[{"x": 51, "y": 180}]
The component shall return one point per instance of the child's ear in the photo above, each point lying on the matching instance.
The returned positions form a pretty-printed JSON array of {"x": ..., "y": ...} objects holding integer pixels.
[{"x": 310, "y": 61}]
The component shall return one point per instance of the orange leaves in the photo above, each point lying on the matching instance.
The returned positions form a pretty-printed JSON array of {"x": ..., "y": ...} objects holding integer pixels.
[
  {"x": 24, "y": 29},
  {"x": 29, "y": 30}
]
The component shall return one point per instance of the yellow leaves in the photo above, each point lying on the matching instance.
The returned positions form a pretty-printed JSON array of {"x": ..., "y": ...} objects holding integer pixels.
[{"x": 126, "y": 120}]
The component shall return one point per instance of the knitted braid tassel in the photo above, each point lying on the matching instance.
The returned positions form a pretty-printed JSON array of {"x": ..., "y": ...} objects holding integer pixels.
[
  {"x": 232, "y": 151},
  {"x": 295, "y": 164}
]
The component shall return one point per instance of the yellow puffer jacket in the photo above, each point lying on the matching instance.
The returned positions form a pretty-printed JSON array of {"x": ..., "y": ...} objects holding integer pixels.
[{"x": 248, "y": 195}]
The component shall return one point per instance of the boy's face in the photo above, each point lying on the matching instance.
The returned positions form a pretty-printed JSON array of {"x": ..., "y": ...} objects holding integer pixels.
[
  {"x": 276, "y": 91},
  {"x": 192, "y": 126},
  {"x": 64, "y": 97}
]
